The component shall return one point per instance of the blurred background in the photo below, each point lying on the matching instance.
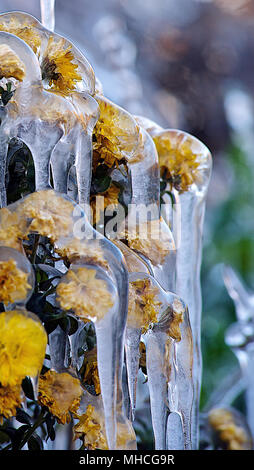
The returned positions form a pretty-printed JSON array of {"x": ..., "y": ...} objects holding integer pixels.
[{"x": 186, "y": 64}]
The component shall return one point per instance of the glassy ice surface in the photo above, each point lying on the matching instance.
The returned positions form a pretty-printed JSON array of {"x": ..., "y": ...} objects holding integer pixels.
[
  {"x": 240, "y": 335},
  {"x": 58, "y": 130},
  {"x": 108, "y": 263},
  {"x": 168, "y": 360},
  {"x": 189, "y": 231},
  {"x": 28, "y": 65},
  {"x": 132, "y": 340},
  {"x": 45, "y": 38}
]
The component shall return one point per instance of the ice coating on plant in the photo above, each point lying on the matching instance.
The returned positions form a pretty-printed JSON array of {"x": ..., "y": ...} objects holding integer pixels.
[
  {"x": 75, "y": 148},
  {"x": 57, "y": 217},
  {"x": 185, "y": 165},
  {"x": 162, "y": 318},
  {"x": 144, "y": 230},
  {"x": 64, "y": 68},
  {"x": 47, "y": 120},
  {"x": 91, "y": 426},
  {"x": 240, "y": 335},
  {"x": 242, "y": 297},
  {"x": 19, "y": 68},
  {"x": 17, "y": 278}
]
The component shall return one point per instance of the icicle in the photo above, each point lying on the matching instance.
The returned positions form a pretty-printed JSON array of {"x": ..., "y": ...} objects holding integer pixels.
[
  {"x": 107, "y": 260},
  {"x": 132, "y": 341},
  {"x": 168, "y": 356},
  {"x": 102, "y": 289},
  {"x": 35, "y": 383},
  {"x": 133, "y": 334},
  {"x": 88, "y": 108},
  {"x": 180, "y": 152},
  {"x": 25, "y": 63},
  {"x": 241, "y": 296},
  {"x": 59, "y": 346},
  {"x": 48, "y": 14},
  {"x": 175, "y": 438},
  {"x": 75, "y": 148},
  {"x": 155, "y": 342},
  {"x": 240, "y": 335}
]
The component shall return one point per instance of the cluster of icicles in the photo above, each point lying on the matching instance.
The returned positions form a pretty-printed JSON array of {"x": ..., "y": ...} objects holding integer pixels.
[{"x": 58, "y": 130}]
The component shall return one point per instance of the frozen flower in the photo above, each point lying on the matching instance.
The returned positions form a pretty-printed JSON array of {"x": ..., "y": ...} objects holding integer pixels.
[
  {"x": 12, "y": 229},
  {"x": 10, "y": 64},
  {"x": 116, "y": 135},
  {"x": 90, "y": 367},
  {"x": 82, "y": 250},
  {"x": 60, "y": 393},
  {"x": 23, "y": 30},
  {"x": 144, "y": 304},
  {"x": 151, "y": 239},
  {"x": 22, "y": 347},
  {"x": 177, "y": 161},
  {"x": 58, "y": 67},
  {"x": 47, "y": 213},
  {"x": 13, "y": 282},
  {"x": 83, "y": 293},
  {"x": 232, "y": 434},
  {"x": 10, "y": 400},
  {"x": 90, "y": 430}
]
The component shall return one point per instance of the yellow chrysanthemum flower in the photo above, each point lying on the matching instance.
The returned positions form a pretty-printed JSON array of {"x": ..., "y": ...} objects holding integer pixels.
[
  {"x": 82, "y": 250},
  {"x": 12, "y": 229},
  {"x": 116, "y": 135},
  {"x": 22, "y": 347},
  {"x": 144, "y": 305},
  {"x": 58, "y": 67},
  {"x": 60, "y": 393},
  {"x": 86, "y": 295},
  {"x": 177, "y": 160},
  {"x": 10, "y": 64},
  {"x": 47, "y": 213},
  {"x": 90, "y": 367},
  {"x": 23, "y": 31},
  {"x": 232, "y": 434},
  {"x": 10, "y": 400},
  {"x": 13, "y": 282},
  {"x": 90, "y": 431}
]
